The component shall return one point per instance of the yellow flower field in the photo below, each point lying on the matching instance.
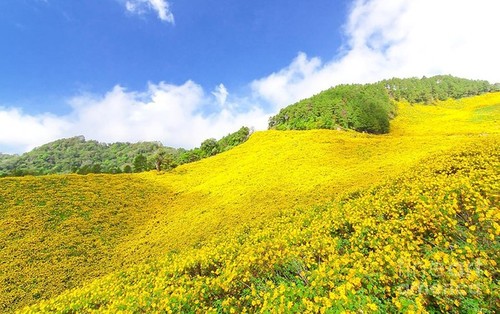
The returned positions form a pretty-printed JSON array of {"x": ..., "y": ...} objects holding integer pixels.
[
  {"x": 302, "y": 221},
  {"x": 427, "y": 241}
]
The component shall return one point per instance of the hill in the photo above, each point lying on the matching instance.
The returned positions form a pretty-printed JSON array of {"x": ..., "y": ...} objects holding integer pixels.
[
  {"x": 78, "y": 155},
  {"x": 425, "y": 242},
  {"x": 302, "y": 219},
  {"x": 370, "y": 107},
  {"x": 363, "y": 108}
]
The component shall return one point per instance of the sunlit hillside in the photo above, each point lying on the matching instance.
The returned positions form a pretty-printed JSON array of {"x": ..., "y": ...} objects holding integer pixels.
[{"x": 160, "y": 235}]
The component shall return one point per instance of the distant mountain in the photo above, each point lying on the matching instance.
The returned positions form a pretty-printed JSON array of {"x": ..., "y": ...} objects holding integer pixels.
[{"x": 78, "y": 155}]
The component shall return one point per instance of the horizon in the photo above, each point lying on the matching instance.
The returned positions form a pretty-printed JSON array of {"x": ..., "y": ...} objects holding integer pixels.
[{"x": 181, "y": 72}]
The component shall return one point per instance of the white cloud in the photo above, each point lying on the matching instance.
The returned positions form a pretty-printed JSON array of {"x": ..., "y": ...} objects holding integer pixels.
[
  {"x": 161, "y": 7},
  {"x": 401, "y": 38},
  {"x": 384, "y": 39},
  {"x": 168, "y": 113},
  {"x": 292, "y": 82},
  {"x": 220, "y": 93},
  {"x": 165, "y": 112},
  {"x": 22, "y": 132}
]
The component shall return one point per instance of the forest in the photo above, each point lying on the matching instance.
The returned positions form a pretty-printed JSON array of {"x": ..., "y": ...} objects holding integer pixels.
[
  {"x": 370, "y": 107},
  {"x": 81, "y": 156}
]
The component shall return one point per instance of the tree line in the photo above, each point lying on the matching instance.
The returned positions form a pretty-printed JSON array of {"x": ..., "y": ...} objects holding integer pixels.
[
  {"x": 440, "y": 87},
  {"x": 166, "y": 158},
  {"x": 81, "y": 156},
  {"x": 364, "y": 108}
]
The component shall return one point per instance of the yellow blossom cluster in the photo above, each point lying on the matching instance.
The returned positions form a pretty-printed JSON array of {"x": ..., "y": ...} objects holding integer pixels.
[{"x": 57, "y": 232}]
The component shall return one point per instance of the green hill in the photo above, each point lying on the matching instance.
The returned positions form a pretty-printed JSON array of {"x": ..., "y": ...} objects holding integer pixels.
[
  {"x": 78, "y": 155},
  {"x": 369, "y": 107},
  {"x": 301, "y": 221}
]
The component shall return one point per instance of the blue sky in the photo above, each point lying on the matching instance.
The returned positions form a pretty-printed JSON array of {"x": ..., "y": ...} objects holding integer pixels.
[{"x": 180, "y": 71}]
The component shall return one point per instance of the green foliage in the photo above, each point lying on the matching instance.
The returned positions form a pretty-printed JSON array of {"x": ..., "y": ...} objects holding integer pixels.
[
  {"x": 140, "y": 163},
  {"x": 234, "y": 139},
  {"x": 495, "y": 87},
  {"x": 364, "y": 108},
  {"x": 188, "y": 156},
  {"x": 209, "y": 147},
  {"x": 77, "y": 155},
  {"x": 369, "y": 107},
  {"x": 164, "y": 159},
  {"x": 439, "y": 87},
  {"x": 127, "y": 169},
  {"x": 212, "y": 147}
]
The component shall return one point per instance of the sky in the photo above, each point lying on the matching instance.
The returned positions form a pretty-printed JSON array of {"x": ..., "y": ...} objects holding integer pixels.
[{"x": 182, "y": 71}]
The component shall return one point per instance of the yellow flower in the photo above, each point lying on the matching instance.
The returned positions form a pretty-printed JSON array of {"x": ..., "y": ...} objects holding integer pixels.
[{"x": 372, "y": 306}]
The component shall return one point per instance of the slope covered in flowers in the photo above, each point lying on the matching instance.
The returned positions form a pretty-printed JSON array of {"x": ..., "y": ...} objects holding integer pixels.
[
  {"x": 426, "y": 241},
  {"x": 248, "y": 228},
  {"x": 57, "y": 231}
]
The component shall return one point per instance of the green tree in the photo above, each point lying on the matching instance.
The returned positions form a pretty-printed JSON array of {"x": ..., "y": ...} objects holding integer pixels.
[
  {"x": 140, "y": 163},
  {"x": 84, "y": 169},
  {"x": 127, "y": 169},
  {"x": 209, "y": 147},
  {"x": 190, "y": 156},
  {"x": 159, "y": 157},
  {"x": 169, "y": 161},
  {"x": 234, "y": 139},
  {"x": 96, "y": 168}
]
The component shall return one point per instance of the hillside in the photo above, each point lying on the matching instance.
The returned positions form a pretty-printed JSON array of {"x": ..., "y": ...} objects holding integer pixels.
[
  {"x": 370, "y": 107},
  {"x": 268, "y": 222},
  {"x": 78, "y": 155},
  {"x": 363, "y": 108},
  {"x": 425, "y": 242}
]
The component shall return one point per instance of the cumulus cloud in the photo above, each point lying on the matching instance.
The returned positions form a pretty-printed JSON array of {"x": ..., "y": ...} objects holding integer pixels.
[
  {"x": 385, "y": 39},
  {"x": 161, "y": 7},
  {"x": 402, "y": 38},
  {"x": 172, "y": 114},
  {"x": 22, "y": 132}
]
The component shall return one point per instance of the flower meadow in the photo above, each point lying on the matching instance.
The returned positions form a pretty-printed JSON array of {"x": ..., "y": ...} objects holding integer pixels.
[
  {"x": 318, "y": 221},
  {"x": 425, "y": 242},
  {"x": 58, "y": 231}
]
